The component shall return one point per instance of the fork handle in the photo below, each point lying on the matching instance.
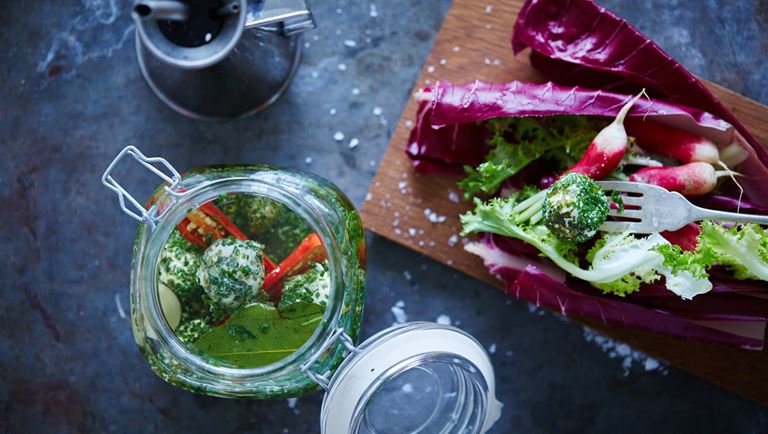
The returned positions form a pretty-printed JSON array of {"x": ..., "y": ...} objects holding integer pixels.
[{"x": 710, "y": 214}]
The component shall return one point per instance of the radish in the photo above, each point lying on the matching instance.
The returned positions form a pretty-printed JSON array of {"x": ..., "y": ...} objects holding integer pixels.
[
  {"x": 684, "y": 146},
  {"x": 671, "y": 142},
  {"x": 692, "y": 179},
  {"x": 608, "y": 147}
]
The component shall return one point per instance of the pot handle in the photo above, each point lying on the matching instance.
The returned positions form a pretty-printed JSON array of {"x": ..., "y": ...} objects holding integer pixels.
[{"x": 288, "y": 17}]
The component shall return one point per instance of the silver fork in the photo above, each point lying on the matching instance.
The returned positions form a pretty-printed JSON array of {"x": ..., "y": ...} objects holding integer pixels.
[{"x": 661, "y": 210}]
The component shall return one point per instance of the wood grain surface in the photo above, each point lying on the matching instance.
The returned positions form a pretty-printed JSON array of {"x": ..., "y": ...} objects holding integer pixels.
[{"x": 474, "y": 43}]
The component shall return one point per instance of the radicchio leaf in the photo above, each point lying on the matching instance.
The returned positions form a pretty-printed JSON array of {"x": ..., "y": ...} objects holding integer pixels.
[
  {"x": 588, "y": 45},
  {"x": 445, "y": 150},
  {"x": 447, "y": 136},
  {"x": 537, "y": 287},
  {"x": 712, "y": 307}
]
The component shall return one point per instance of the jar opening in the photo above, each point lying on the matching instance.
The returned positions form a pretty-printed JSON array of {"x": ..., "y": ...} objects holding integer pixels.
[{"x": 245, "y": 279}]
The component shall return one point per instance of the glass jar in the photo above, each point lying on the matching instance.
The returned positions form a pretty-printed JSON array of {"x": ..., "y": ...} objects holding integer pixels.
[{"x": 412, "y": 378}]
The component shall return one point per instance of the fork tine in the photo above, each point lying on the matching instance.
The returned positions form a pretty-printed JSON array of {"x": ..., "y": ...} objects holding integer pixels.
[
  {"x": 632, "y": 200},
  {"x": 628, "y": 213},
  {"x": 620, "y": 186},
  {"x": 614, "y": 226}
]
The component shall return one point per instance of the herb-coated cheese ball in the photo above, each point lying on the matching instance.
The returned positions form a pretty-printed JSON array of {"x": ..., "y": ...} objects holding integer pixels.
[
  {"x": 179, "y": 262},
  {"x": 232, "y": 273},
  {"x": 575, "y": 208},
  {"x": 313, "y": 286}
]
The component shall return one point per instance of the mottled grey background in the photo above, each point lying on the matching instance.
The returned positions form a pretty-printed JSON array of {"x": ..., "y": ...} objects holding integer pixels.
[{"x": 71, "y": 96}]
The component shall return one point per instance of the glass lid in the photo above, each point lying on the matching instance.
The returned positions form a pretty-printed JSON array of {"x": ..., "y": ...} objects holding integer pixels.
[{"x": 413, "y": 378}]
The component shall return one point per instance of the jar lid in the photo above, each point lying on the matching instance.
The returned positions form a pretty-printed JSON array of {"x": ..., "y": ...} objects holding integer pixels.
[{"x": 413, "y": 378}]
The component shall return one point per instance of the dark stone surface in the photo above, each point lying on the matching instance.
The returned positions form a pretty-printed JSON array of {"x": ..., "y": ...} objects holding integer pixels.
[{"x": 72, "y": 96}]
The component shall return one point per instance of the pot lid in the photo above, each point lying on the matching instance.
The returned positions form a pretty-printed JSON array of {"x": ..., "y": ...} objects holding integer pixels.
[{"x": 413, "y": 378}]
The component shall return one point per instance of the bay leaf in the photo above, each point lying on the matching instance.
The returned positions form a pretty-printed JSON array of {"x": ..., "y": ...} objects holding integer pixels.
[{"x": 259, "y": 335}]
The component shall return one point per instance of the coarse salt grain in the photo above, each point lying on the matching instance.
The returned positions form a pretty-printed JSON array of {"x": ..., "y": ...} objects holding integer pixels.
[
  {"x": 430, "y": 69},
  {"x": 368, "y": 196},
  {"x": 377, "y": 111},
  {"x": 488, "y": 9},
  {"x": 399, "y": 314},
  {"x": 342, "y": 67},
  {"x": 350, "y": 43},
  {"x": 443, "y": 61},
  {"x": 353, "y": 143},
  {"x": 373, "y": 12},
  {"x": 453, "y": 196},
  {"x": 453, "y": 240},
  {"x": 456, "y": 49},
  {"x": 308, "y": 160},
  {"x": 338, "y": 136},
  {"x": 408, "y": 123},
  {"x": 332, "y": 112},
  {"x": 355, "y": 91},
  {"x": 407, "y": 275}
]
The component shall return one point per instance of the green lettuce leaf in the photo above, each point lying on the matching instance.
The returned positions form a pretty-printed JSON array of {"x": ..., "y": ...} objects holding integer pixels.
[
  {"x": 619, "y": 263},
  {"x": 516, "y": 142},
  {"x": 741, "y": 248}
]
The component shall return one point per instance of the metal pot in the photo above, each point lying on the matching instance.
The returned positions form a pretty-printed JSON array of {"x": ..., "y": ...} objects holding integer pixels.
[{"x": 219, "y": 59}]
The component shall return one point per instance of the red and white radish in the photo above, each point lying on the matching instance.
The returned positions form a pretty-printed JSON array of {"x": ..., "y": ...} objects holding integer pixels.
[
  {"x": 671, "y": 142},
  {"x": 692, "y": 179},
  {"x": 608, "y": 147},
  {"x": 685, "y": 147}
]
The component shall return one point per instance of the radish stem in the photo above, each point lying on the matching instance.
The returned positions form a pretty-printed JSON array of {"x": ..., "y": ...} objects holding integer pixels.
[{"x": 731, "y": 173}]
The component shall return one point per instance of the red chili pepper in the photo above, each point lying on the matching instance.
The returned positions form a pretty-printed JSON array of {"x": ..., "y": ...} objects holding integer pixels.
[
  {"x": 190, "y": 234},
  {"x": 309, "y": 250},
  {"x": 269, "y": 265},
  {"x": 219, "y": 217}
]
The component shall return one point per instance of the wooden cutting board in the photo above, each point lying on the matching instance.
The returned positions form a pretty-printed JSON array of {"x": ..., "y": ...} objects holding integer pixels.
[{"x": 474, "y": 43}]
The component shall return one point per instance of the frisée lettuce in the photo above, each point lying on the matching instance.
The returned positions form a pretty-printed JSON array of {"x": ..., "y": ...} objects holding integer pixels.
[{"x": 619, "y": 263}]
